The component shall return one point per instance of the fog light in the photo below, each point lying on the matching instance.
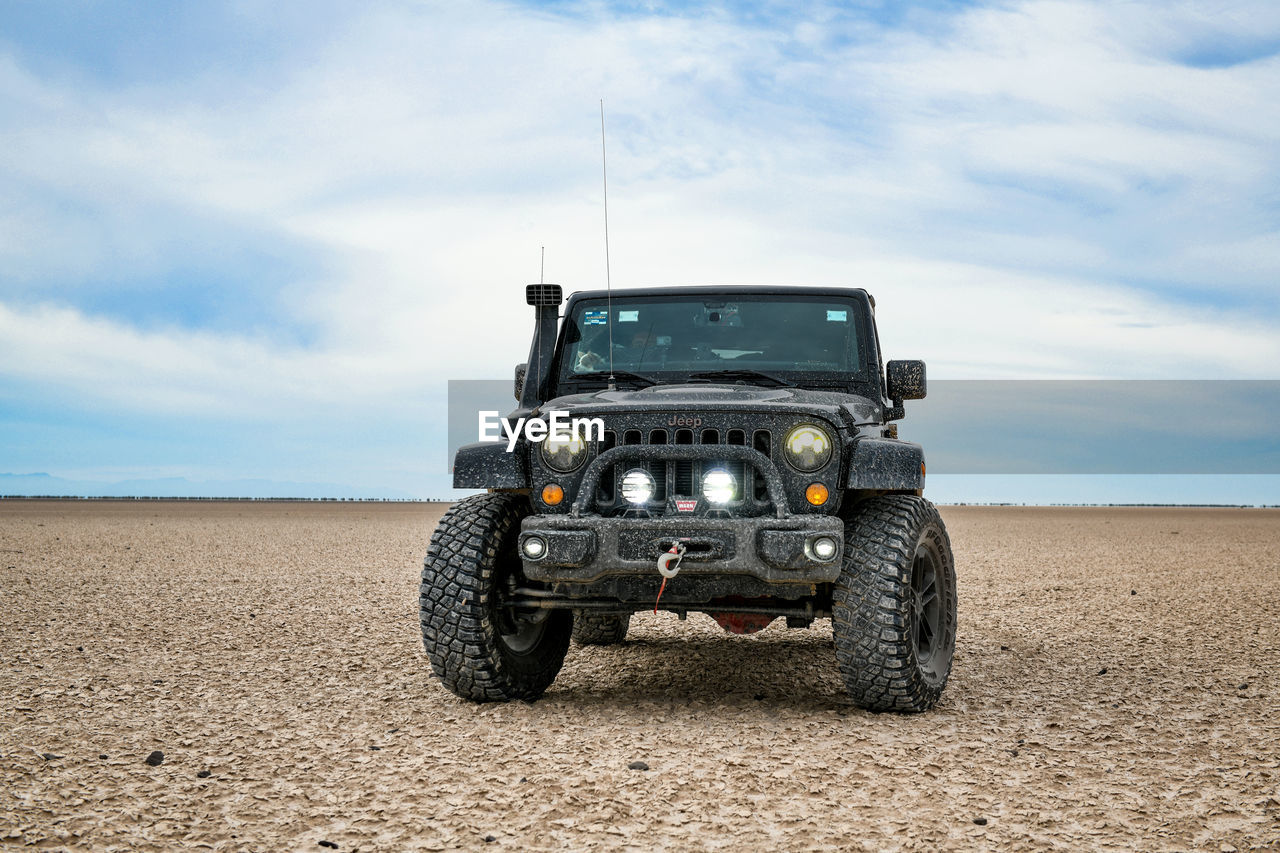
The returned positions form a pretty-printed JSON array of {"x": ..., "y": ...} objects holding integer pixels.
[
  {"x": 637, "y": 486},
  {"x": 824, "y": 548},
  {"x": 535, "y": 547},
  {"x": 816, "y": 494},
  {"x": 718, "y": 486},
  {"x": 552, "y": 494}
]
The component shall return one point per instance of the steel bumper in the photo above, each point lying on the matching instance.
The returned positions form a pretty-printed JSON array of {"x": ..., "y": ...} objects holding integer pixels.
[{"x": 775, "y": 550}]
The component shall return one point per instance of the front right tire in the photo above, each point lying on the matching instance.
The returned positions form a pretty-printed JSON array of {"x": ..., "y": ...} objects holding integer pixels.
[
  {"x": 481, "y": 647},
  {"x": 894, "y": 609}
]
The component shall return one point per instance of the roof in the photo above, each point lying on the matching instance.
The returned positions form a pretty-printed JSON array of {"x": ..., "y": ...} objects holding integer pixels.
[{"x": 723, "y": 290}]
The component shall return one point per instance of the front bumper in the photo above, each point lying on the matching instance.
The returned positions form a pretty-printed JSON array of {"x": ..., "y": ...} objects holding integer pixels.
[{"x": 586, "y": 549}]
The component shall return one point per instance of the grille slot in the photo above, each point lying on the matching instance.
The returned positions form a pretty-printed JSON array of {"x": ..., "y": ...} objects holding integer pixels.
[
  {"x": 659, "y": 472},
  {"x": 762, "y": 441},
  {"x": 682, "y": 471},
  {"x": 605, "y": 494}
]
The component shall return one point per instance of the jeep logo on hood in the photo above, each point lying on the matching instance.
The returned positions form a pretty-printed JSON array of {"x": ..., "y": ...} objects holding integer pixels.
[{"x": 684, "y": 421}]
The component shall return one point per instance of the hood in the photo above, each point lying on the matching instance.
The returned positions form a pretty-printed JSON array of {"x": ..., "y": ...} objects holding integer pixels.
[{"x": 847, "y": 409}]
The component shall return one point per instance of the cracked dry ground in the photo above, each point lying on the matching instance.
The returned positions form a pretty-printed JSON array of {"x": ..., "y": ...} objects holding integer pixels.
[{"x": 1115, "y": 686}]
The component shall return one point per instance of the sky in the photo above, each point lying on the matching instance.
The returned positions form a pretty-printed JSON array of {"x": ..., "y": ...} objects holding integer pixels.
[{"x": 254, "y": 241}]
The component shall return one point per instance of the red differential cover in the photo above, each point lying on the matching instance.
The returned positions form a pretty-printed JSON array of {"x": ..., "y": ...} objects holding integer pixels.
[{"x": 741, "y": 623}]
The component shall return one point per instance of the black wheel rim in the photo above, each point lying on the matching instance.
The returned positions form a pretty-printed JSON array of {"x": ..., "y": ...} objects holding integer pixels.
[
  {"x": 529, "y": 629},
  {"x": 520, "y": 629},
  {"x": 926, "y": 609}
]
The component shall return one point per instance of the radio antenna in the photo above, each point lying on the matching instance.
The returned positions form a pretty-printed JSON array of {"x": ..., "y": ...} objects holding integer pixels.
[
  {"x": 608, "y": 283},
  {"x": 537, "y": 331}
]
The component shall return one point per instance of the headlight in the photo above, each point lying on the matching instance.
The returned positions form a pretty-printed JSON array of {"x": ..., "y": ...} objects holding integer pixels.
[
  {"x": 564, "y": 453},
  {"x": 637, "y": 486},
  {"x": 807, "y": 448},
  {"x": 718, "y": 486}
]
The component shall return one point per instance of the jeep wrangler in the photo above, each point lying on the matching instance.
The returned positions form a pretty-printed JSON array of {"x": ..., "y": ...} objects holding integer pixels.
[{"x": 748, "y": 468}]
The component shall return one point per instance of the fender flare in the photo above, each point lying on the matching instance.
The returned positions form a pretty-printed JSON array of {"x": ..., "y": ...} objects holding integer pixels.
[
  {"x": 886, "y": 464},
  {"x": 488, "y": 465}
]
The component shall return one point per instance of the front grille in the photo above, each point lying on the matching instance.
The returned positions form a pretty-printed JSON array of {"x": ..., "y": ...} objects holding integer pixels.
[{"x": 683, "y": 478}]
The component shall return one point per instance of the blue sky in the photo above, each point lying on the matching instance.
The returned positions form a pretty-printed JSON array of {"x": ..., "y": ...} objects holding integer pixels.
[{"x": 250, "y": 240}]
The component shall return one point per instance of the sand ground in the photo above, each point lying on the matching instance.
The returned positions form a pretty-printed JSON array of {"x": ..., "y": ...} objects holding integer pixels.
[{"x": 1115, "y": 687}]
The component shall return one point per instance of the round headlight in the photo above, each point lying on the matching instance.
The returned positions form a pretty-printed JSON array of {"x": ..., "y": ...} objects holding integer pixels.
[
  {"x": 637, "y": 486},
  {"x": 807, "y": 448},
  {"x": 564, "y": 453},
  {"x": 718, "y": 486}
]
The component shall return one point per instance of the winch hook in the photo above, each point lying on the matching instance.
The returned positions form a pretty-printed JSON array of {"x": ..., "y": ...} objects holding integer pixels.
[{"x": 668, "y": 571}]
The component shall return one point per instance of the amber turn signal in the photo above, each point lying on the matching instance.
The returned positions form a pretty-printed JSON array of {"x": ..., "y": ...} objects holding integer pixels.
[
  {"x": 816, "y": 494},
  {"x": 552, "y": 494}
]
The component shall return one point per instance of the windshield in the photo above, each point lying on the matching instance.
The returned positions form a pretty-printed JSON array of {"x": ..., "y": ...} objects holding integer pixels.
[{"x": 768, "y": 339}]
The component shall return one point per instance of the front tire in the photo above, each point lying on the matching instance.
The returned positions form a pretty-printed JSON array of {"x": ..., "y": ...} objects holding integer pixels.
[
  {"x": 894, "y": 613},
  {"x": 480, "y": 647}
]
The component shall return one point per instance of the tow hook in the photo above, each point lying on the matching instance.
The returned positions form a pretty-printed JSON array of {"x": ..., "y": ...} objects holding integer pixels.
[
  {"x": 667, "y": 569},
  {"x": 675, "y": 555}
]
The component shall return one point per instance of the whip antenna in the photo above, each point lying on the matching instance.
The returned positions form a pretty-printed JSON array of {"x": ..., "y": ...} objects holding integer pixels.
[
  {"x": 537, "y": 329},
  {"x": 608, "y": 284}
]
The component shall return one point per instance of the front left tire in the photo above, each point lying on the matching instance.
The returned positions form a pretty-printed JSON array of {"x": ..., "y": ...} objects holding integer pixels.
[{"x": 894, "y": 608}]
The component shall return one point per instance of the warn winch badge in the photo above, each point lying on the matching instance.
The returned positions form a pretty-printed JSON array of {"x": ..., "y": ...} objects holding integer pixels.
[{"x": 686, "y": 506}]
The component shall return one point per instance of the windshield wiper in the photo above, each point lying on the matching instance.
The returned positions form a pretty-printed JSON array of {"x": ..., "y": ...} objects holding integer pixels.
[
  {"x": 623, "y": 375},
  {"x": 753, "y": 377}
]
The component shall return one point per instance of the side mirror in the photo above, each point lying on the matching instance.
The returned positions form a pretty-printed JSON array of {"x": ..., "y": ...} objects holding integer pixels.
[
  {"x": 521, "y": 370},
  {"x": 905, "y": 380}
]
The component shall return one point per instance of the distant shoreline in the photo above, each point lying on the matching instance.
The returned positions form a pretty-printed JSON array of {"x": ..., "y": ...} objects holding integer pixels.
[{"x": 162, "y": 499}]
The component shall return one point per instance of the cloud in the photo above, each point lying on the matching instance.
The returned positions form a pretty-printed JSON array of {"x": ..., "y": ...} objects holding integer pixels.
[
  {"x": 192, "y": 373},
  {"x": 1032, "y": 189}
]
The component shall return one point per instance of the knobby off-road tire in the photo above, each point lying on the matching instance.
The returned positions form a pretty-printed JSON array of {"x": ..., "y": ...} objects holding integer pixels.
[
  {"x": 599, "y": 629},
  {"x": 894, "y": 614},
  {"x": 480, "y": 648}
]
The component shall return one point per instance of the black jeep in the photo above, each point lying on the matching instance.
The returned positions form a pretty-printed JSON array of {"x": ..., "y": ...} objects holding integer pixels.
[{"x": 739, "y": 458}]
